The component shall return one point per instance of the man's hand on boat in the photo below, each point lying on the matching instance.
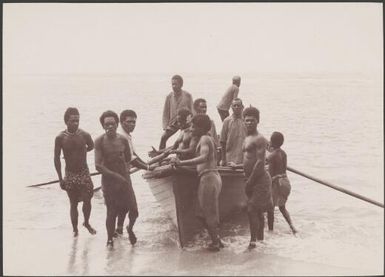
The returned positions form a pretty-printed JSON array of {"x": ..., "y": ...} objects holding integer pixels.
[{"x": 174, "y": 161}]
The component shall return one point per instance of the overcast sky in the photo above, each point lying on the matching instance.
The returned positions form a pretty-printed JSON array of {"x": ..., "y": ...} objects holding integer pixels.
[{"x": 192, "y": 37}]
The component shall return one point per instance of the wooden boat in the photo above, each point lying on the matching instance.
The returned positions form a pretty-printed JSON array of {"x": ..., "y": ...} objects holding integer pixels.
[{"x": 176, "y": 191}]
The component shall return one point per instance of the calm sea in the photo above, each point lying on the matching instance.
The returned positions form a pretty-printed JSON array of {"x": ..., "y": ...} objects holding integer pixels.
[{"x": 333, "y": 127}]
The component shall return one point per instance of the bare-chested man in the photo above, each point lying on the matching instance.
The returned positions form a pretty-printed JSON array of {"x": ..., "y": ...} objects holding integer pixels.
[
  {"x": 210, "y": 183},
  {"x": 75, "y": 144},
  {"x": 112, "y": 152},
  {"x": 258, "y": 181},
  {"x": 186, "y": 143}
]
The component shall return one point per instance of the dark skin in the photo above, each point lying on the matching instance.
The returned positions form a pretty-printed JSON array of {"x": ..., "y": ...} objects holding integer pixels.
[
  {"x": 128, "y": 125},
  {"x": 115, "y": 154},
  {"x": 186, "y": 144},
  {"x": 254, "y": 149},
  {"x": 277, "y": 162},
  {"x": 75, "y": 150}
]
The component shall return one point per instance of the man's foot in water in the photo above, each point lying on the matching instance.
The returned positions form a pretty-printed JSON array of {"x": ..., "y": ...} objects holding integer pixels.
[
  {"x": 89, "y": 228},
  {"x": 110, "y": 244},
  {"x": 75, "y": 233},
  {"x": 293, "y": 230},
  {"x": 131, "y": 236},
  {"x": 118, "y": 232},
  {"x": 252, "y": 245},
  {"x": 214, "y": 247}
]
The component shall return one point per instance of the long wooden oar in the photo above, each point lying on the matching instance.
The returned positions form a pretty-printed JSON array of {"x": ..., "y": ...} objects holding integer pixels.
[
  {"x": 336, "y": 187},
  {"x": 57, "y": 181}
]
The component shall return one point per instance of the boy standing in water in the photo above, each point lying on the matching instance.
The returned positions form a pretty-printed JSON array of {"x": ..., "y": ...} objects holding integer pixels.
[
  {"x": 75, "y": 144},
  {"x": 277, "y": 162},
  {"x": 258, "y": 181},
  {"x": 210, "y": 182}
]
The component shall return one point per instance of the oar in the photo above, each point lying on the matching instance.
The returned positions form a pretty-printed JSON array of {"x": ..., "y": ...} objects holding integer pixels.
[
  {"x": 336, "y": 187},
  {"x": 329, "y": 185},
  {"x": 57, "y": 181}
]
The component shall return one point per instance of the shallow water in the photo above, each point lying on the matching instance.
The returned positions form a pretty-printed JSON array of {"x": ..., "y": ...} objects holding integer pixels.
[{"x": 333, "y": 130}]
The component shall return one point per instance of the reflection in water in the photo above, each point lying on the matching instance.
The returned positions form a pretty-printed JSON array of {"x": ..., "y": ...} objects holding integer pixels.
[{"x": 71, "y": 268}]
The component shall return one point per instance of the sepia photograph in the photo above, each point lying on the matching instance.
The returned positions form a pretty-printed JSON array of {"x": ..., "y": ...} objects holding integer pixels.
[{"x": 193, "y": 139}]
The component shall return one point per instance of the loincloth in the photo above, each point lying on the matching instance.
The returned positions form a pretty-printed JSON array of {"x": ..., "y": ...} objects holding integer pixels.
[
  {"x": 121, "y": 197},
  {"x": 79, "y": 185},
  {"x": 261, "y": 195},
  {"x": 210, "y": 185},
  {"x": 281, "y": 189}
]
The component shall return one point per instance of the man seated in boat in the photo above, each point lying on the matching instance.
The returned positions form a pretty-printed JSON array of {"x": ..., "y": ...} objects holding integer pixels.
[
  {"x": 232, "y": 136},
  {"x": 210, "y": 183},
  {"x": 277, "y": 163},
  {"x": 258, "y": 181},
  {"x": 186, "y": 143},
  {"x": 112, "y": 153},
  {"x": 176, "y": 100},
  {"x": 75, "y": 144}
]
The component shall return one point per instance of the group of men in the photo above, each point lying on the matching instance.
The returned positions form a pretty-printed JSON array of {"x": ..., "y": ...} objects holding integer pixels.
[{"x": 240, "y": 144}]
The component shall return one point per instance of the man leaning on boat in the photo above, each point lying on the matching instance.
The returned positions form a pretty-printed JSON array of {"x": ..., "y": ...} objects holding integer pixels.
[{"x": 210, "y": 183}]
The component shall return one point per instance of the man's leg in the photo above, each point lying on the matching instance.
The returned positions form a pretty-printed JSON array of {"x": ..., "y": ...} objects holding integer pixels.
[
  {"x": 110, "y": 223},
  {"x": 74, "y": 215},
  {"x": 223, "y": 114},
  {"x": 270, "y": 219},
  {"x": 253, "y": 227},
  {"x": 119, "y": 227},
  {"x": 132, "y": 216},
  {"x": 286, "y": 215},
  {"x": 167, "y": 133},
  {"x": 260, "y": 224},
  {"x": 87, "y": 214}
]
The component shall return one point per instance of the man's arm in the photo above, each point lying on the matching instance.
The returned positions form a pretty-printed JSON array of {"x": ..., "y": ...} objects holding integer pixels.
[
  {"x": 57, "y": 151},
  {"x": 101, "y": 168},
  {"x": 191, "y": 148},
  {"x": 166, "y": 112},
  {"x": 203, "y": 155},
  {"x": 90, "y": 142},
  {"x": 223, "y": 142},
  {"x": 235, "y": 92}
]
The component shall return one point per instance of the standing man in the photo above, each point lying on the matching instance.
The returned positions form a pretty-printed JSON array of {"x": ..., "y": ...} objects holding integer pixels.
[
  {"x": 233, "y": 135},
  {"x": 127, "y": 125},
  {"x": 177, "y": 99},
  {"x": 75, "y": 144},
  {"x": 210, "y": 183},
  {"x": 230, "y": 94},
  {"x": 112, "y": 153},
  {"x": 258, "y": 181}
]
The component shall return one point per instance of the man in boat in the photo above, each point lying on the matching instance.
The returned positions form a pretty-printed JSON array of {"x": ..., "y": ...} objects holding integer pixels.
[
  {"x": 186, "y": 143},
  {"x": 127, "y": 126},
  {"x": 75, "y": 144},
  {"x": 112, "y": 153},
  {"x": 210, "y": 183},
  {"x": 200, "y": 107},
  {"x": 176, "y": 100},
  {"x": 232, "y": 136},
  {"x": 258, "y": 181},
  {"x": 277, "y": 162},
  {"x": 230, "y": 94}
]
